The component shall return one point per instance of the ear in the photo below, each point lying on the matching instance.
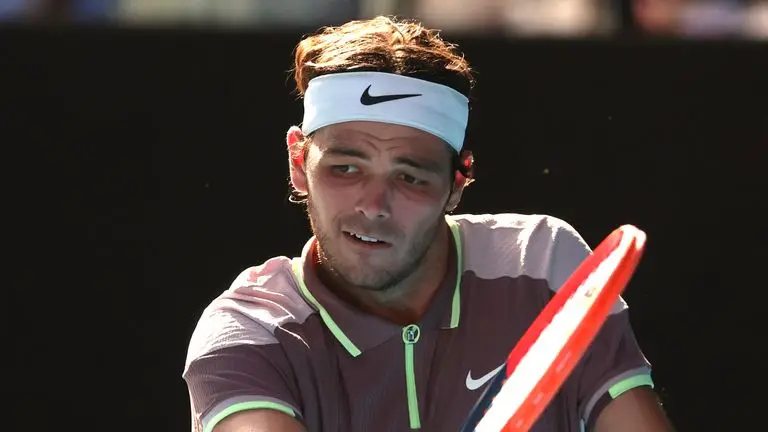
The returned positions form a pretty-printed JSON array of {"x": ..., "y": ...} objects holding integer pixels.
[
  {"x": 295, "y": 141},
  {"x": 460, "y": 181}
]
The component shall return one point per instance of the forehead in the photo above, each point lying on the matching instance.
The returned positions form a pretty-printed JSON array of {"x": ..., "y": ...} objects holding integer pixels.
[{"x": 374, "y": 138}]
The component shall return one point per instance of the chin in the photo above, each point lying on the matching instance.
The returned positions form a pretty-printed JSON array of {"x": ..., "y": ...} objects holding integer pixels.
[{"x": 365, "y": 277}]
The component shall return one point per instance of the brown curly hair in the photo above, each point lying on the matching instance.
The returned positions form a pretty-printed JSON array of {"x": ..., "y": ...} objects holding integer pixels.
[{"x": 384, "y": 44}]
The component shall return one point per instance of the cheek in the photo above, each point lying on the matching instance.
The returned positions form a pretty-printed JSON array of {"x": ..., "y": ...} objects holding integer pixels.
[
  {"x": 427, "y": 200},
  {"x": 417, "y": 216},
  {"x": 337, "y": 194},
  {"x": 327, "y": 201},
  {"x": 427, "y": 197}
]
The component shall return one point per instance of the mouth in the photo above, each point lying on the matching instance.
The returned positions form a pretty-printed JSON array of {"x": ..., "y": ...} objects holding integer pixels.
[{"x": 364, "y": 240}]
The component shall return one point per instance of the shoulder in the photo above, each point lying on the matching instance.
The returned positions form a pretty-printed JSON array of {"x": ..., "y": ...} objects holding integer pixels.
[
  {"x": 508, "y": 223},
  {"x": 260, "y": 300},
  {"x": 512, "y": 244}
]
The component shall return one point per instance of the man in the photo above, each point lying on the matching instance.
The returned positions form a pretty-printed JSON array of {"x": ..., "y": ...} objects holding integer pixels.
[{"x": 396, "y": 315}]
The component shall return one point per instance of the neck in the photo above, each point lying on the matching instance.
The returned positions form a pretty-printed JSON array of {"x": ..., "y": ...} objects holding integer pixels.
[{"x": 406, "y": 302}]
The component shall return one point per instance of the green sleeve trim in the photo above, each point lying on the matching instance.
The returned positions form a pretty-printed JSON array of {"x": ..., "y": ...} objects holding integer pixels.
[
  {"x": 244, "y": 406},
  {"x": 630, "y": 383}
]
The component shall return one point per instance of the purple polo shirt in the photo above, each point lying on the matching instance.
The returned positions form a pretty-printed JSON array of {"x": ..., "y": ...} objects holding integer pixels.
[{"x": 279, "y": 339}]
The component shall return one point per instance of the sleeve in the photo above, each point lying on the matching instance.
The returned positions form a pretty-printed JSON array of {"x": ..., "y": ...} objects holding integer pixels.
[
  {"x": 614, "y": 362},
  {"x": 234, "y": 364}
]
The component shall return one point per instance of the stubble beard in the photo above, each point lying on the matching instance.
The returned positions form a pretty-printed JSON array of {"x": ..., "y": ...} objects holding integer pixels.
[{"x": 378, "y": 279}]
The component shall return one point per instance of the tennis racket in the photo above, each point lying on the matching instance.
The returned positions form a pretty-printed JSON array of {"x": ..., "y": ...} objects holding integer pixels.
[{"x": 548, "y": 351}]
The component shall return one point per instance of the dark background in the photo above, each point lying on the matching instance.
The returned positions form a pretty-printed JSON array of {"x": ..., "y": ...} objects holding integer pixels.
[{"x": 145, "y": 169}]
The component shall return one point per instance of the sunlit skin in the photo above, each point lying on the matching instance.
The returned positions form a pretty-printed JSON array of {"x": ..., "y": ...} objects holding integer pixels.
[{"x": 389, "y": 182}]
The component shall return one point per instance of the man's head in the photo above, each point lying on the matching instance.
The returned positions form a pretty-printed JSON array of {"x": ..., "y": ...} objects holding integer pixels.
[{"x": 379, "y": 157}]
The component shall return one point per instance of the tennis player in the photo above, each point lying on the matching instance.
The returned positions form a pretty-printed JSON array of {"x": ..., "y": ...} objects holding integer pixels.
[{"x": 397, "y": 314}]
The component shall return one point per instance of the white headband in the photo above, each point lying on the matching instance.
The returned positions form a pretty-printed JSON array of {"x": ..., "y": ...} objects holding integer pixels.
[{"x": 387, "y": 98}]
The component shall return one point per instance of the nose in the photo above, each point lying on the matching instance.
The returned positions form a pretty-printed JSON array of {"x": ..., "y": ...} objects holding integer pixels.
[{"x": 375, "y": 200}]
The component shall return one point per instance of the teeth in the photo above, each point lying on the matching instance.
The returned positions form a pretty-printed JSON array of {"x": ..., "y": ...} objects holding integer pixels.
[{"x": 364, "y": 238}]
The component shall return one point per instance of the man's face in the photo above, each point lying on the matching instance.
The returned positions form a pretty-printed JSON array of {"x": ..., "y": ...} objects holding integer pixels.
[{"x": 376, "y": 198}]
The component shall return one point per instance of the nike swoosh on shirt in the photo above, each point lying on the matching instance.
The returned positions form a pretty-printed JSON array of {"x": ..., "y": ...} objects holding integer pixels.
[{"x": 474, "y": 384}]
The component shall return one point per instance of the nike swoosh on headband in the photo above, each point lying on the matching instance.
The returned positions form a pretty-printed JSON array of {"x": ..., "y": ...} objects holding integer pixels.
[{"x": 367, "y": 99}]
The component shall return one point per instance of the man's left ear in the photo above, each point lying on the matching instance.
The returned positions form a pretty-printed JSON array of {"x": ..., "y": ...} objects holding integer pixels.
[{"x": 460, "y": 181}]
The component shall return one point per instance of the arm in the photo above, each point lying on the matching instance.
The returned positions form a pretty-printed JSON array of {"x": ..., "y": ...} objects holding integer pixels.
[
  {"x": 237, "y": 372},
  {"x": 261, "y": 420},
  {"x": 636, "y": 410},
  {"x": 243, "y": 388}
]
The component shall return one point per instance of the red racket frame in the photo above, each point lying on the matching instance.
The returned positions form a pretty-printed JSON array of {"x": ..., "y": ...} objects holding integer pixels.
[{"x": 626, "y": 240}]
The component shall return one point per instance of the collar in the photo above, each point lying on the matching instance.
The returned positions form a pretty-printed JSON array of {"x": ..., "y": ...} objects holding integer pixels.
[{"x": 358, "y": 331}]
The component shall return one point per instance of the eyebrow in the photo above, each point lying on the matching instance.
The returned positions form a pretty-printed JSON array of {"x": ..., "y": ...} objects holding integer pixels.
[{"x": 428, "y": 166}]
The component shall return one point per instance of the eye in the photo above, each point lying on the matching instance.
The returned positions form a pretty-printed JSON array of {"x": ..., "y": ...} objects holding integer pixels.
[
  {"x": 412, "y": 180},
  {"x": 344, "y": 169}
]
